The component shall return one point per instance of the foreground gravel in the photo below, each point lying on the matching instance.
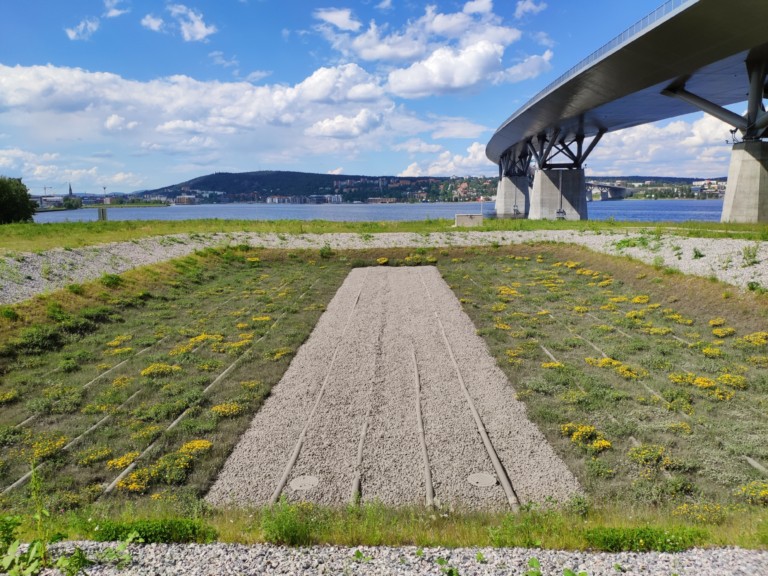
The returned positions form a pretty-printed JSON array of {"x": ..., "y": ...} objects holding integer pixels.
[
  {"x": 346, "y": 411},
  {"x": 23, "y": 275},
  {"x": 198, "y": 560}
]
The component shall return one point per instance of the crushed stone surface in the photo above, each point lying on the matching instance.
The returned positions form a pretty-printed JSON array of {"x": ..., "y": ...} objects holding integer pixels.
[{"x": 353, "y": 411}]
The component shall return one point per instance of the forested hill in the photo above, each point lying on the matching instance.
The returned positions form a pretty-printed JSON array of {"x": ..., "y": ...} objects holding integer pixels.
[{"x": 278, "y": 183}]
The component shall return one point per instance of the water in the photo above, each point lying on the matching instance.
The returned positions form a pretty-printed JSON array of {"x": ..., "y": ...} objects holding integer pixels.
[{"x": 634, "y": 210}]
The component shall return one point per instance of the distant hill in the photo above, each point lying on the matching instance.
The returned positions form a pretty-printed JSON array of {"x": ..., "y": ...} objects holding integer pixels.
[{"x": 280, "y": 183}]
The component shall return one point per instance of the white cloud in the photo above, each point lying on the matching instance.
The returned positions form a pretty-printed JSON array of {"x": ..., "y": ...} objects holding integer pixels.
[
  {"x": 338, "y": 170},
  {"x": 154, "y": 23},
  {"x": 341, "y": 18},
  {"x": 84, "y": 30},
  {"x": 473, "y": 163},
  {"x": 113, "y": 10},
  {"x": 345, "y": 82},
  {"x": 683, "y": 147},
  {"x": 447, "y": 127},
  {"x": 417, "y": 146},
  {"x": 543, "y": 39},
  {"x": 413, "y": 170},
  {"x": 531, "y": 67},
  {"x": 384, "y": 5},
  {"x": 346, "y": 127},
  {"x": 447, "y": 70},
  {"x": 116, "y": 123},
  {"x": 372, "y": 45},
  {"x": 257, "y": 75},
  {"x": 191, "y": 24},
  {"x": 218, "y": 58},
  {"x": 478, "y": 7},
  {"x": 528, "y": 7}
]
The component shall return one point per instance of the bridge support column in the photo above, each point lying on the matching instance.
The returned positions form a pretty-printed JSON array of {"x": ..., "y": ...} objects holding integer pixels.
[
  {"x": 559, "y": 194},
  {"x": 746, "y": 194},
  {"x": 512, "y": 198}
]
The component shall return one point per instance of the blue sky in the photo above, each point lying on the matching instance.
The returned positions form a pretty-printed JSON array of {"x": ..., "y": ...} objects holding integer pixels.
[{"x": 138, "y": 94}]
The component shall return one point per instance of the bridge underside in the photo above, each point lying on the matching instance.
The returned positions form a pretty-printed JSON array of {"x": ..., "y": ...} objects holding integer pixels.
[{"x": 682, "y": 63}]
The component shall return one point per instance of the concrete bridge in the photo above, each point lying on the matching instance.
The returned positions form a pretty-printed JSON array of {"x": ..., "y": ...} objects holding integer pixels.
[
  {"x": 655, "y": 70},
  {"x": 607, "y": 191}
]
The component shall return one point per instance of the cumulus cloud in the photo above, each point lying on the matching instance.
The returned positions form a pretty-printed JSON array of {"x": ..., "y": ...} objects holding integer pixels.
[
  {"x": 338, "y": 170},
  {"x": 116, "y": 123},
  {"x": 528, "y": 7},
  {"x": 473, "y": 163},
  {"x": 447, "y": 70},
  {"x": 345, "y": 127},
  {"x": 531, "y": 67},
  {"x": 373, "y": 45},
  {"x": 191, "y": 24},
  {"x": 384, "y": 5},
  {"x": 341, "y": 18},
  {"x": 83, "y": 30},
  {"x": 152, "y": 22},
  {"x": 478, "y": 7},
  {"x": 112, "y": 9},
  {"x": 683, "y": 147}
]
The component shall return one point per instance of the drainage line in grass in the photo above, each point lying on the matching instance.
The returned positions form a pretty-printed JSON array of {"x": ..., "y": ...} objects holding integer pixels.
[
  {"x": 69, "y": 445},
  {"x": 430, "y": 490},
  {"x": 501, "y": 473},
  {"x": 218, "y": 379},
  {"x": 300, "y": 442}
]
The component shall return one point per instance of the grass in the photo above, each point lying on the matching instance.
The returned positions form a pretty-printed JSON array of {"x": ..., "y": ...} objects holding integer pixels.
[
  {"x": 135, "y": 353},
  {"x": 37, "y": 237}
]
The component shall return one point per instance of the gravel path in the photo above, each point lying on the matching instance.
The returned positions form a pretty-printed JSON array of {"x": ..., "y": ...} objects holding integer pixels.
[
  {"x": 234, "y": 559},
  {"x": 352, "y": 412},
  {"x": 23, "y": 275}
]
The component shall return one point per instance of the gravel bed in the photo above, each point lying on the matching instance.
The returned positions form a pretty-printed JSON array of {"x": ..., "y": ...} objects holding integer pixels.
[
  {"x": 235, "y": 559},
  {"x": 380, "y": 318},
  {"x": 23, "y": 275}
]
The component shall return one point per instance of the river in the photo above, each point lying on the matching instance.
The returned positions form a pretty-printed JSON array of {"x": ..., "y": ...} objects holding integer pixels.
[{"x": 630, "y": 210}]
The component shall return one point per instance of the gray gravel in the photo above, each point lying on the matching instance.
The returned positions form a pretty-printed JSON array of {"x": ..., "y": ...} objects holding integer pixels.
[
  {"x": 23, "y": 275},
  {"x": 378, "y": 319},
  {"x": 234, "y": 559}
]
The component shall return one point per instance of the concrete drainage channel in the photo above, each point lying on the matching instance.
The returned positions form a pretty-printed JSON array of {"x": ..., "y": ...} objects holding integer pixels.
[{"x": 394, "y": 398}]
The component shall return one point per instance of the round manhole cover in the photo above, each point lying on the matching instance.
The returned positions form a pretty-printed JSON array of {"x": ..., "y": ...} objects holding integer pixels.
[
  {"x": 304, "y": 482},
  {"x": 482, "y": 480}
]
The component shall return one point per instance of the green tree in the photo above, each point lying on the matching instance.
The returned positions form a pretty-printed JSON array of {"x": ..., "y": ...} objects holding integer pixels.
[
  {"x": 72, "y": 202},
  {"x": 15, "y": 203}
]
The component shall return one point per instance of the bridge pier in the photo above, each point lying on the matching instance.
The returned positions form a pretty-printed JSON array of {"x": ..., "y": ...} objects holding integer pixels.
[
  {"x": 559, "y": 194},
  {"x": 512, "y": 197},
  {"x": 746, "y": 194}
]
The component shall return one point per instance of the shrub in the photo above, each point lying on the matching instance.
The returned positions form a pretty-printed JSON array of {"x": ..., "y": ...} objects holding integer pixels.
[
  {"x": 9, "y": 313},
  {"x": 38, "y": 339},
  {"x": 291, "y": 524},
  {"x": 156, "y": 531},
  {"x": 644, "y": 539},
  {"x": 111, "y": 280}
]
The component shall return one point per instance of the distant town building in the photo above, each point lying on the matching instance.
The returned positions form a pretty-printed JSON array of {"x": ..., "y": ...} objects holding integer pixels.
[{"x": 186, "y": 199}]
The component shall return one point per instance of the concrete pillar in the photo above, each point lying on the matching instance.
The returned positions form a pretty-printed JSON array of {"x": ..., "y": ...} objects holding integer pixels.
[
  {"x": 746, "y": 195},
  {"x": 556, "y": 188},
  {"x": 512, "y": 192}
]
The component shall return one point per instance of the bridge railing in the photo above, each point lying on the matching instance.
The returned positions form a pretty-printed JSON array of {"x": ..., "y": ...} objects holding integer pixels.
[{"x": 631, "y": 32}]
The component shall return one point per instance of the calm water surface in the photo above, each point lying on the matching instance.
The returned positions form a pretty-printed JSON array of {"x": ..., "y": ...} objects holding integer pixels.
[{"x": 635, "y": 210}]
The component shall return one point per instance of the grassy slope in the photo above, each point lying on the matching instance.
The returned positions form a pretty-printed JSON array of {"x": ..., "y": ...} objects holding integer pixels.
[{"x": 222, "y": 293}]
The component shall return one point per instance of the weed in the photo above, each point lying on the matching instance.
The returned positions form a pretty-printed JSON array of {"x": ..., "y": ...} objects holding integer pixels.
[
  {"x": 167, "y": 531},
  {"x": 697, "y": 254},
  {"x": 9, "y": 313},
  {"x": 644, "y": 539},
  {"x": 111, "y": 280},
  {"x": 326, "y": 252},
  {"x": 749, "y": 255},
  {"x": 291, "y": 524}
]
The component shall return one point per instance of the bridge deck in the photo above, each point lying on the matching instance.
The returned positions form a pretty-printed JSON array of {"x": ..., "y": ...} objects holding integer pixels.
[{"x": 702, "y": 45}]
